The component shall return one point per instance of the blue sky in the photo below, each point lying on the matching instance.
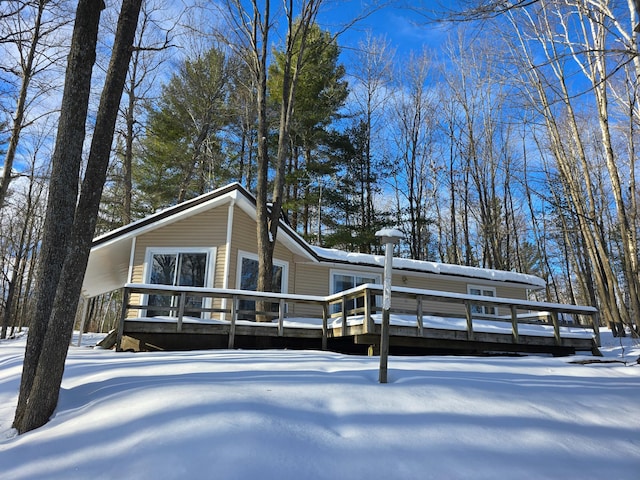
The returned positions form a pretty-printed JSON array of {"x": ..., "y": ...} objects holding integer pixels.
[{"x": 404, "y": 29}]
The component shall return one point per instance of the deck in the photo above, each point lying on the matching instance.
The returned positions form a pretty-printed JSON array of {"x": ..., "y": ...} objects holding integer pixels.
[{"x": 350, "y": 322}]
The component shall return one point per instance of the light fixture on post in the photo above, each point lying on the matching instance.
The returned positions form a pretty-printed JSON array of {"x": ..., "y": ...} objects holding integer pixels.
[{"x": 389, "y": 237}]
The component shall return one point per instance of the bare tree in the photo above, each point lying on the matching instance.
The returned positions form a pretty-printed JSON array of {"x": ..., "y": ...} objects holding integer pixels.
[
  {"x": 567, "y": 134},
  {"x": 29, "y": 27},
  {"x": 21, "y": 224},
  {"x": 558, "y": 40},
  {"x": 255, "y": 29},
  {"x": 146, "y": 58},
  {"x": 373, "y": 73},
  {"x": 414, "y": 134}
]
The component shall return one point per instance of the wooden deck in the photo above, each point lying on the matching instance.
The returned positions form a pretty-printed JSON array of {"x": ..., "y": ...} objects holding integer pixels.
[{"x": 350, "y": 322}]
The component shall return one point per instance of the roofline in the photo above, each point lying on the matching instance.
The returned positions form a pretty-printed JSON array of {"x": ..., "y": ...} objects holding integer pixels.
[
  {"x": 229, "y": 189},
  {"x": 313, "y": 253},
  {"x": 479, "y": 278},
  {"x": 166, "y": 213}
]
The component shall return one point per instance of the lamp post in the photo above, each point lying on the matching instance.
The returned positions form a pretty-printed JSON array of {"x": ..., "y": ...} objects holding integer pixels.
[{"x": 389, "y": 237}]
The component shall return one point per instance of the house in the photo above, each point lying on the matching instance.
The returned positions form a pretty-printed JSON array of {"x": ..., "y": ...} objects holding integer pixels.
[{"x": 209, "y": 242}]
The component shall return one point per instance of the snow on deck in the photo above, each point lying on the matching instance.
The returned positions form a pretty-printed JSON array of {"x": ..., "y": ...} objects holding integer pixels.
[{"x": 428, "y": 321}]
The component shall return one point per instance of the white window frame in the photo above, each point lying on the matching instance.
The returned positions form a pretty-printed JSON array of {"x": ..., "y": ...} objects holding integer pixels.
[
  {"x": 352, "y": 273},
  {"x": 209, "y": 270},
  {"x": 283, "y": 264},
  {"x": 284, "y": 288},
  {"x": 484, "y": 291}
]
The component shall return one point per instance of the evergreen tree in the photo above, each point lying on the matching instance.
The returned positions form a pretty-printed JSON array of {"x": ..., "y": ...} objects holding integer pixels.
[
  {"x": 181, "y": 154},
  {"x": 321, "y": 92},
  {"x": 351, "y": 224}
]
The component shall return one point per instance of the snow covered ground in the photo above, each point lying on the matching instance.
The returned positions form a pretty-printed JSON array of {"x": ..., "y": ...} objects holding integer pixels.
[{"x": 231, "y": 414}]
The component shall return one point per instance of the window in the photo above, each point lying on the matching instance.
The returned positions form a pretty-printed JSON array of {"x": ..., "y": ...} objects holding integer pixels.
[
  {"x": 248, "y": 279},
  {"x": 341, "y": 281},
  {"x": 188, "y": 267},
  {"x": 484, "y": 292}
]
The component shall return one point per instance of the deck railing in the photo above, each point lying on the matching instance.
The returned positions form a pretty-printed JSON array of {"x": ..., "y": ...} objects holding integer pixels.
[{"x": 358, "y": 301}]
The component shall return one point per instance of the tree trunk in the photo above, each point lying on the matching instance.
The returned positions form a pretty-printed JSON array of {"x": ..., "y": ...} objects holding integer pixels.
[
  {"x": 43, "y": 396},
  {"x": 63, "y": 187}
]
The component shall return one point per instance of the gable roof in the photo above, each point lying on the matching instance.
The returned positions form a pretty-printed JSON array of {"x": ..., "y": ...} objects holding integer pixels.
[{"x": 108, "y": 266}]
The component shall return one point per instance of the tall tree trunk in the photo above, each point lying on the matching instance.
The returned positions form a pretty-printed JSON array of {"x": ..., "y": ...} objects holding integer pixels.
[
  {"x": 63, "y": 188},
  {"x": 127, "y": 161},
  {"x": 44, "y": 393},
  {"x": 598, "y": 78},
  {"x": 265, "y": 251}
]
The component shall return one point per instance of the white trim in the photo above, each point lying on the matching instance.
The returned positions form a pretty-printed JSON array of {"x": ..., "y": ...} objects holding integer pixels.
[
  {"x": 254, "y": 256},
  {"x": 209, "y": 270},
  {"x": 352, "y": 273},
  {"x": 483, "y": 290},
  {"x": 227, "y": 255},
  {"x": 165, "y": 220},
  {"x": 132, "y": 259}
]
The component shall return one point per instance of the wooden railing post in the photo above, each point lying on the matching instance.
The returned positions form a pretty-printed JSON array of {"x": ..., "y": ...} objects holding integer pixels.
[
  {"x": 419, "y": 321},
  {"x": 325, "y": 328},
  {"x": 281, "y": 317},
  {"x": 469, "y": 316},
  {"x": 234, "y": 317},
  {"x": 595, "y": 324},
  {"x": 556, "y": 327},
  {"x": 368, "y": 321},
  {"x": 181, "y": 302},
  {"x": 123, "y": 313},
  {"x": 344, "y": 314},
  {"x": 514, "y": 323}
]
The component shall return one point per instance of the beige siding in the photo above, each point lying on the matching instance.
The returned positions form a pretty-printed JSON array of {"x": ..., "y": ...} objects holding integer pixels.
[
  {"x": 310, "y": 279},
  {"x": 209, "y": 229},
  {"x": 206, "y": 230},
  {"x": 244, "y": 239},
  {"x": 315, "y": 280},
  {"x": 461, "y": 285}
]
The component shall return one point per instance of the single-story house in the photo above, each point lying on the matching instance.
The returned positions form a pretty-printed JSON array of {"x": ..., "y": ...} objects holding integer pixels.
[{"x": 209, "y": 242}]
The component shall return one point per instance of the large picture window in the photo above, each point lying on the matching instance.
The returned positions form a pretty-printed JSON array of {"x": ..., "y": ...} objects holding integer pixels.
[
  {"x": 341, "y": 281},
  {"x": 175, "y": 267},
  {"x": 484, "y": 292}
]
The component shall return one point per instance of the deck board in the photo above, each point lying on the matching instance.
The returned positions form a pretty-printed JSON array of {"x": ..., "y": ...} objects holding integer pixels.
[{"x": 401, "y": 336}]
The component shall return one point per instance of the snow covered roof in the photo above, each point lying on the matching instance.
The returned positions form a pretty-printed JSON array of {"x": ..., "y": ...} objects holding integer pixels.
[
  {"x": 333, "y": 255},
  {"x": 110, "y": 258}
]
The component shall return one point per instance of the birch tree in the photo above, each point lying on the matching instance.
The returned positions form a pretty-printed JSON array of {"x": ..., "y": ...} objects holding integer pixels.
[
  {"x": 372, "y": 73},
  {"x": 414, "y": 131},
  {"x": 575, "y": 54},
  {"x": 581, "y": 33}
]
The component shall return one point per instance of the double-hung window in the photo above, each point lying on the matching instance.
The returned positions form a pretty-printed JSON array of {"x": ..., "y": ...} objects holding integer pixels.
[
  {"x": 488, "y": 310},
  {"x": 177, "y": 267}
]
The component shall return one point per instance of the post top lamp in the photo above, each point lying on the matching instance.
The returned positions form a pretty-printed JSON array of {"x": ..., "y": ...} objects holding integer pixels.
[{"x": 389, "y": 237}]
